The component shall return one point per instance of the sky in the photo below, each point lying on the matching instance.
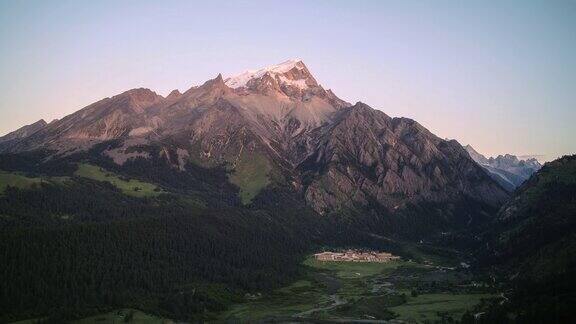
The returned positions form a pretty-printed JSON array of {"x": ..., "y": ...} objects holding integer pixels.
[{"x": 499, "y": 75}]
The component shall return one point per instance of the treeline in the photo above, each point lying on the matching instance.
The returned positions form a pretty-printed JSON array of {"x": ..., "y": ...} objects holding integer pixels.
[
  {"x": 125, "y": 260},
  {"x": 531, "y": 246},
  {"x": 115, "y": 251},
  {"x": 75, "y": 201}
]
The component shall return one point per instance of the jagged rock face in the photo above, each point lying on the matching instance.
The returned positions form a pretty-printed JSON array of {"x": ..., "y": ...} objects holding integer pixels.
[
  {"x": 290, "y": 77},
  {"x": 479, "y": 158},
  {"x": 287, "y": 95},
  {"x": 336, "y": 155},
  {"x": 22, "y": 132},
  {"x": 511, "y": 163},
  {"x": 219, "y": 135},
  {"x": 367, "y": 157},
  {"x": 106, "y": 119},
  {"x": 174, "y": 95},
  {"x": 509, "y": 171}
]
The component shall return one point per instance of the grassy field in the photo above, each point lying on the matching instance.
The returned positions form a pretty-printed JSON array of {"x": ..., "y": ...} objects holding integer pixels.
[
  {"x": 250, "y": 175},
  {"x": 119, "y": 316},
  {"x": 430, "y": 307},
  {"x": 422, "y": 253},
  {"x": 359, "y": 291},
  {"x": 347, "y": 270},
  {"x": 16, "y": 180},
  {"x": 370, "y": 307},
  {"x": 21, "y": 181},
  {"x": 28, "y": 321},
  {"x": 131, "y": 187},
  {"x": 124, "y": 316},
  {"x": 295, "y": 298}
]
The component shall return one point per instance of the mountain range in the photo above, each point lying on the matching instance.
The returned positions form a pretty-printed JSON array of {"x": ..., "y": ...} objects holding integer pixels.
[
  {"x": 508, "y": 170},
  {"x": 277, "y": 125}
]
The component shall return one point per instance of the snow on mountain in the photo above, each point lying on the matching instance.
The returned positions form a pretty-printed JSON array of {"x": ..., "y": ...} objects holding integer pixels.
[
  {"x": 507, "y": 169},
  {"x": 242, "y": 79}
]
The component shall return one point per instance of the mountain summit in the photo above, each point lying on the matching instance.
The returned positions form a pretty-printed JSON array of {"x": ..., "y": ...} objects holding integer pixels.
[
  {"x": 291, "y": 72},
  {"x": 278, "y": 127},
  {"x": 290, "y": 78}
]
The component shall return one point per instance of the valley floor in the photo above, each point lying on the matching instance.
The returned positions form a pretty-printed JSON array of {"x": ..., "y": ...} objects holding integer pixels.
[
  {"x": 401, "y": 291},
  {"x": 394, "y": 292},
  {"x": 118, "y": 316}
]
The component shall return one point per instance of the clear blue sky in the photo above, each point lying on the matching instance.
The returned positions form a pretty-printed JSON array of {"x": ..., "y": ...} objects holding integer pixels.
[{"x": 500, "y": 75}]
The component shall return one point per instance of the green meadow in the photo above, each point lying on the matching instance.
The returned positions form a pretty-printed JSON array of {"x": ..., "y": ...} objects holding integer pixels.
[
  {"x": 432, "y": 307},
  {"x": 251, "y": 175},
  {"x": 124, "y": 316},
  {"x": 16, "y": 180},
  {"x": 360, "y": 291},
  {"x": 131, "y": 187}
]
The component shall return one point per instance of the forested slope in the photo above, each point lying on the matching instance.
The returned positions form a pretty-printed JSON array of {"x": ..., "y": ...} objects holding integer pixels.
[{"x": 532, "y": 244}]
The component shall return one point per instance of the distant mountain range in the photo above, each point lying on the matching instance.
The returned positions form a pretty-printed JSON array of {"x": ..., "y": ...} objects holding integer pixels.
[
  {"x": 278, "y": 125},
  {"x": 508, "y": 170}
]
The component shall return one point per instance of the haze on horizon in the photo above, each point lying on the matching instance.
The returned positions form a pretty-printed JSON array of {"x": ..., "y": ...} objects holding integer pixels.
[{"x": 499, "y": 76}]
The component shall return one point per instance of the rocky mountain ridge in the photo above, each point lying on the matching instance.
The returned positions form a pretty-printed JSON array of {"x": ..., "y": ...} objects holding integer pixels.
[
  {"x": 338, "y": 156},
  {"x": 508, "y": 170},
  {"x": 22, "y": 132}
]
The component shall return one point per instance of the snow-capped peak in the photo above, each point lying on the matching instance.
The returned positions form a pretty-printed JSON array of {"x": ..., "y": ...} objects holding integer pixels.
[{"x": 241, "y": 80}]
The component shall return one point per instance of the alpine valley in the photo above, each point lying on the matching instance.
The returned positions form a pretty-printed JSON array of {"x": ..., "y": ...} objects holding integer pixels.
[{"x": 207, "y": 205}]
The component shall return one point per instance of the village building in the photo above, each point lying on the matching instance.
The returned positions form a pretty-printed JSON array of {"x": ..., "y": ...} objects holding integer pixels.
[{"x": 355, "y": 256}]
